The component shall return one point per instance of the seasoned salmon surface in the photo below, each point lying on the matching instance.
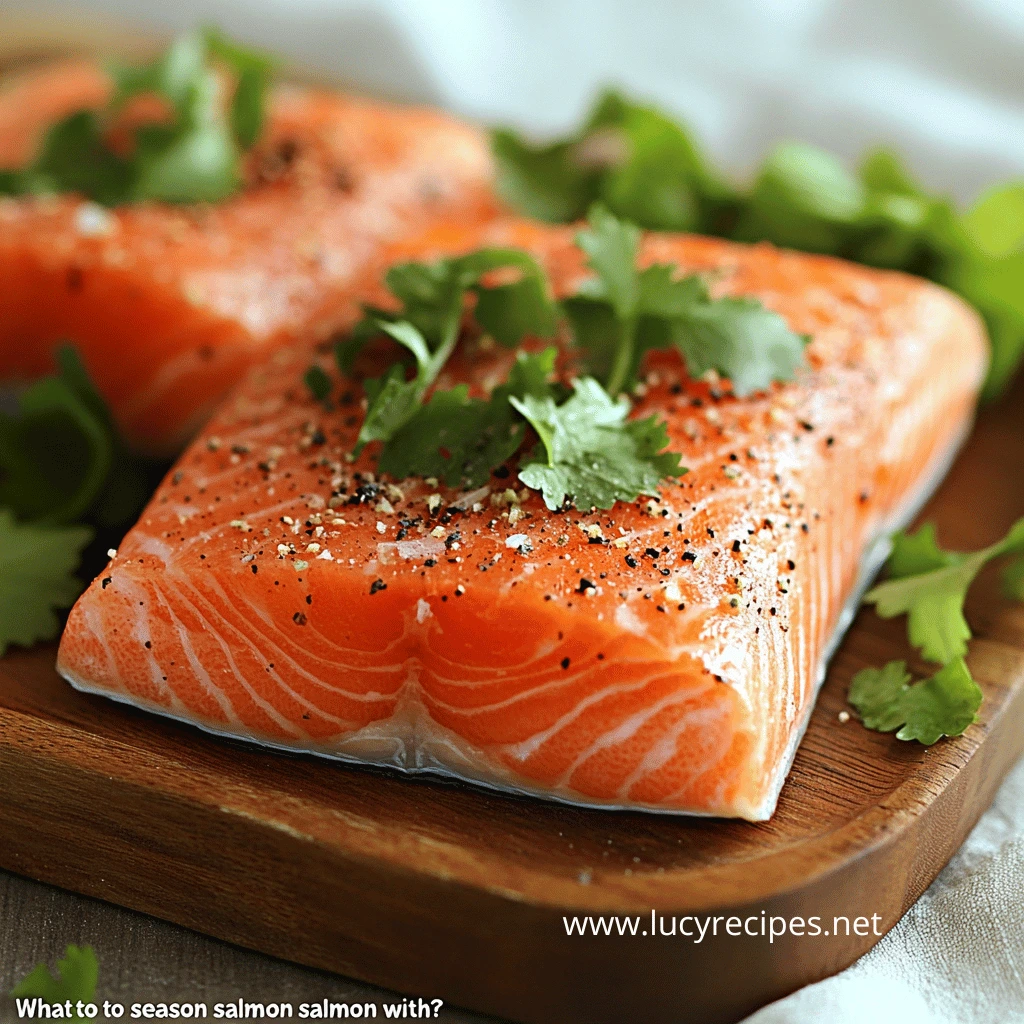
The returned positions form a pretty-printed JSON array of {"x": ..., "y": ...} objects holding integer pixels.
[
  {"x": 664, "y": 654},
  {"x": 169, "y": 305}
]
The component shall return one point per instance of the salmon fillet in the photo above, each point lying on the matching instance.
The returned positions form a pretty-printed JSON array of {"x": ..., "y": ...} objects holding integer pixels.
[
  {"x": 277, "y": 592},
  {"x": 168, "y": 306}
]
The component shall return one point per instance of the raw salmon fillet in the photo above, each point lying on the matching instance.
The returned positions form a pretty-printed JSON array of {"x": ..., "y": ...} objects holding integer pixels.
[
  {"x": 167, "y": 305},
  {"x": 662, "y": 655}
]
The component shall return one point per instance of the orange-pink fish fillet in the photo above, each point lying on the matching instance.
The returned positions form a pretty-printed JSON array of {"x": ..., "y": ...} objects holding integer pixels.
[
  {"x": 277, "y": 592},
  {"x": 168, "y": 306}
]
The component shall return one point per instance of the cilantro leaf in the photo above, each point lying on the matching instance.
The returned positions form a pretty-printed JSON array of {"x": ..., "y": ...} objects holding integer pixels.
[
  {"x": 944, "y": 704},
  {"x": 741, "y": 340},
  {"x": 253, "y": 70},
  {"x": 391, "y": 399},
  {"x": 933, "y": 599},
  {"x": 589, "y": 453},
  {"x": 540, "y": 181},
  {"x": 132, "y": 477},
  {"x": 803, "y": 198},
  {"x": 933, "y": 603},
  {"x": 74, "y": 157},
  {"x": 916, "y": 553},
  {"x": 612, "y": 246},
  {"x": 194, "y": 158},
  {"x": 995, "y": 223},
  {"x": 428, "y": 324},
  {"x": 653, "y": 172},
  {"x": 1013, "y": 580},
  {"x": 624, "y": 312},
  {"x": 630, "y": 156},
  {"x": 75, "y": 982},
  {"x": 37, "y": 565},
  {"x": 318, "y": 381},
  {"x": 513, "y": 311},
  {"x": 643, "y": 166},
  {"x": 995, "y": 285},
  {"x": 55, "y": 455},
  {"x": 433, "y": 300},
  {"x": 62, "y": 459},
  {"x": 460, "y": 439}
]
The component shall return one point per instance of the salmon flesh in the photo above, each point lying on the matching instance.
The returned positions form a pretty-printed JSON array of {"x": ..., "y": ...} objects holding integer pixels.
[
  {"x": 662, "y": 655},
  {"x": 169, "y": 306}
]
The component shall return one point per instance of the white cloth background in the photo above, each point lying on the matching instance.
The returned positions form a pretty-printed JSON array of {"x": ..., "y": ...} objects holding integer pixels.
[{"x": 940, "y": 80}]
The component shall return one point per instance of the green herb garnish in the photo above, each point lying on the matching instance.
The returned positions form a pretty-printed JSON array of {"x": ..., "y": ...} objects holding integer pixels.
[
  {"x": 632, "y": 157},
  {"x": 61, "y": 457},
  {"x": 625, "y": 312},
  {"x": 590, "y": 453},
  {"x": 75, "y": 982},
  {"x": 192, "y": 157},
  {"x": 67, "y": 475},
  {"x": 461, "y": 439},
  {"x": 929, "y": 586},
  {"x": 643, "y": 166},
  {"x": 37, "y": 567},
  {"x": 944, "y": 704},
  {"x": 434, "y": 298}
]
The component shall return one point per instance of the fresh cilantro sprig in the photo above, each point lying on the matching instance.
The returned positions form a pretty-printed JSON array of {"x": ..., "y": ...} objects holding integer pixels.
[
  {"x": 37, "y": 575},
  {"x": 624, "y": 312},
  {"x": 630, "y": 156},
  {"x": 433, "y": 300},
  {"x": 929, "y": 585},
  {"x": 193, "y": 156},
  {"x": 944, "y": 704},
  {"x": 645, "y": 167},
  {"x": 590, "y": 453},
  {"x": 461, "y": 439},
  {"x": 62, "y": 459},
  {"x": 77, "y": 975},
  {"x": 69, "y": 486}
]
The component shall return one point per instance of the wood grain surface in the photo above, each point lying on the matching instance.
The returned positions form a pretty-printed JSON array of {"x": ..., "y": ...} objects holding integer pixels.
[
  {"x": 437, "y": 888},
  {"x": 143, "y": 959}
]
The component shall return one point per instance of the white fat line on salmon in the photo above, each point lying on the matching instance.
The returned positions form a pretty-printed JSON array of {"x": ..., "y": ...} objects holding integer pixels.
[
  {"x": 526, "y": 748},
  {"x": 546, "y": 677},
  {"x": 200, "y": 673},
  {"x": 239, "y": 676},
  {"x": 666, "y": 747},
  {"x": 98, "y": 629},
  {"x": 136, "y": 595},
  {"x": 271, "y": 624},
  {"x": 265, "y": 658},
  {"x": 625, "y": 730},
  {"x": 559, "y": 682},
  {"x": 520, "y": 671}
]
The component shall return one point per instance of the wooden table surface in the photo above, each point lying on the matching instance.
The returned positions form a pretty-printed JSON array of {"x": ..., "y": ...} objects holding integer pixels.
[{"x": 146, "y": 960}]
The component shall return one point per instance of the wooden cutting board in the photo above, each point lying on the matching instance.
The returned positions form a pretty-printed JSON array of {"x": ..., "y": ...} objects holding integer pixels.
[
  {"x": 443, "y": 891},
  {"x": 440, "y": 890}
]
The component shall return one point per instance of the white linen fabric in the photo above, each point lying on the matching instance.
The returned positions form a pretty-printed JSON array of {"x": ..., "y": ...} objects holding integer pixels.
[{"x": 942, "y": 81}]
